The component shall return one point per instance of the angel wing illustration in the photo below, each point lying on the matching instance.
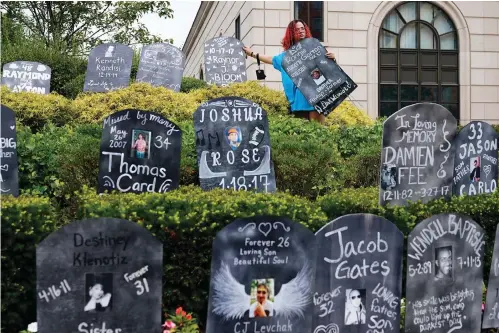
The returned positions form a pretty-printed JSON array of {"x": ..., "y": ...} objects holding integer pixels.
[{"x": 231, "y": 301}]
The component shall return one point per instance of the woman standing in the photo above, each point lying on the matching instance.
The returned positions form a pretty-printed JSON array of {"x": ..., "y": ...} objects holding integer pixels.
[{"x": 295, "y": 32}]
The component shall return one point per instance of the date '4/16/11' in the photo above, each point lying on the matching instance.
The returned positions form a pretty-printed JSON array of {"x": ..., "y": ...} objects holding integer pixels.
[{"x": 241, "y": 183}]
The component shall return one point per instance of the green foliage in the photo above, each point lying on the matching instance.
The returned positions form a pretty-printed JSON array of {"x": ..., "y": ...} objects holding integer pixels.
[
  {"x": 26, "y": 221},
  {"x": 191, "y": 83}
]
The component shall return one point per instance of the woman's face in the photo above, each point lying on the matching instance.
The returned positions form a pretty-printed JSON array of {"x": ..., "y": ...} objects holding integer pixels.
[
  {"x": 300, "y": 30},
  {"x": 96, "y": 291},
  {"x": 355, "y": 298},
  {"x": 141, "y": 137}
]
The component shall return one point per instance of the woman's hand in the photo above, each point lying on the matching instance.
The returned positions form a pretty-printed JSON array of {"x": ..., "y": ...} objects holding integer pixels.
[
  {"x": 247, "y": 50},
  {"x": 330, "y": 55}
]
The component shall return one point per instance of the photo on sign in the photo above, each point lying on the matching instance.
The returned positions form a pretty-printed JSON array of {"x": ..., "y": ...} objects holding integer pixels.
[
  {"x": 110, "y": 52},
  {"x": 262, "y": 298},
  {"x": 355, "y": 311},
  {"x": 388, "y": 176},
  {"x": 443, "y": 264},
  {"x": 233, "y": 136},
  {"x": 475, "y": 169},
  {"x": 141, "y": 144},
  {"x": 99, "y": 289},
  {"x": 318, "y": 77}
]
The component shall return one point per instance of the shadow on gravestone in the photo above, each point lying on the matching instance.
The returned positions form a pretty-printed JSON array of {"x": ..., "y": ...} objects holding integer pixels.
[
  {"x": 27, "y": 76},
  {"x": 358, "y": 279},
  {"x": 491, "y": 313},
  {"x": 444, "y": 275},
  {"x": 140, "y": 152},
  {"x": 109, "y": 67},
  {"x": 161, "y": 64},
  {"x": 417, "y": 159},
  {"x": 9, "y": 179},
  {"x": 261, "y": 277},
  {"x": 475, "y": 161},
  {"x": 233, "y": 145},
  {"x": 99, "y": 274},
  {"x": 224, "y": 61},
  {"x": 323, "y": 83}
]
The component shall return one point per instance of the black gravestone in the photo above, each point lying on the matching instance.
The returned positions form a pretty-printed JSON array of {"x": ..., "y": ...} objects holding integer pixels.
[
  {"x": 261, "y": 277},
  {"x": 444, "y": 275},
  {"x": 233, "y": 145},
  {"x": 99, "y": 275},
  {"x": 358, "y": 281},
  {"x": 323, "y": 83},
  {"x": 475, "y": 161},
  {"x": 109, "y": 67},
  {"x": 27, "y": 76},
  {"x": 491, "y": 313},
  {"x": 140, "y": 152},
  {"x": 224, "y": 60},
  {"x": 161, "y": 64},
  {"x": 417, "y": 157},
  {"x": 8, "y": 160}
]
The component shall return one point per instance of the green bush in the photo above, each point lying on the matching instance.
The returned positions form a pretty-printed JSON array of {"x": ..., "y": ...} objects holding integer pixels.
[
  {"x": 191, "y": 83},
  {"x": 26, "y": 221}
]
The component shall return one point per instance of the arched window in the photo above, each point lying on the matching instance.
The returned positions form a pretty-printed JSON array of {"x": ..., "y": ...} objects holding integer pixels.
[{"x": 418, "y": 58}]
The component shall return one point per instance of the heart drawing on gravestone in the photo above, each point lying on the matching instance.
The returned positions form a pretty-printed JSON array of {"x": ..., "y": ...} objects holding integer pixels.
[
  {"x": 331, "y": 328},
  {"x": 262, "y": 227},
  {"x": 12, "y": 127}
]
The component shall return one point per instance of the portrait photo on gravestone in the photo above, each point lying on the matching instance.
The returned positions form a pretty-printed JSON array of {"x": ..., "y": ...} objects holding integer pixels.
[{"x": 100, "y": 292}]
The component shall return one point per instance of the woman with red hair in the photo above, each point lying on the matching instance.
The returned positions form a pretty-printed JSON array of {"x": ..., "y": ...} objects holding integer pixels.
[{"x": 295, "y": 32}]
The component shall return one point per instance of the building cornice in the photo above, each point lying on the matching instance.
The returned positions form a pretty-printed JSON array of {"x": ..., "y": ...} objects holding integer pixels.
[{"x": 197, "y": 26}]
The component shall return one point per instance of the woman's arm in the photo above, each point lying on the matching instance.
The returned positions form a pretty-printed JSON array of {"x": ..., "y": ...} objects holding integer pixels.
[{"x": 263, "y": 58}]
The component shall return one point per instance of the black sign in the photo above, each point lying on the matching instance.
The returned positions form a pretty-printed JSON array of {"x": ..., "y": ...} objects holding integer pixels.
[
  {"x": 99, "y": 275},
  {"x": 261, "y": 277},
  {"x": 417, "y": 158},
  {"x": 444, "y": 275},
  {"x": 27, "y": 76},
  {"x": 233, "y": 145},
  {"x": 8, "y": 161},
  {"x": 320, "y": 79},
  {"x": 140, "y": 152},
  {"x": 109, "y": 67},
  {"x": 475, "y": 163},
  {"x": 358, "y": 282},
  {"x": 161, "y": 64},
  {"x": 224, "y": 60},
  {"x": 491, "y": 314}
]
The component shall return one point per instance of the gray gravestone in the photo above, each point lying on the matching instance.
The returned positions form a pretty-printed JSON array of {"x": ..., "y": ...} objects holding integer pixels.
[
  {"x": 358, "y": 280},
  {"x": 8, "y": 160},
  {"x": 162, "y": 65},
  {"x": 224, "y": 60},
  {"x": 444, "y": 275},
  {"x": 261, "y": 277},
  {"x": 323, "y": 83},
  {"x": 233, "y": 145},
  {"x": 140, "y": 152},
  {"x": 491, "y": 313},
  {"x": 99, "y": 275},
  {"x": 27, "y": 76},
  {"x": 417, "y": 159},
  {"x": 109, "y": 67},
  {"x": 475, "y": 162}
]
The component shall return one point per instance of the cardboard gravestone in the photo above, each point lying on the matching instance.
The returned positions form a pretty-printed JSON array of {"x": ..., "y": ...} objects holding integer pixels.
[
  {"x": 27, "y": 76},
  {"x": 444, "y": 275},
  {"x": 224, "y": 60},
  {"x": 233, "y": 145},
  {"x": 261, "y": 277},
  {"x": 417, "y": 159},
  {"x": 358, "y": 281},
  {"x": 161, "y": 64},
  {"x": 140, "y": 152},
  {"x": 323, "y": 83},
  {"x": 109, "y": 67},
  {"x": 8, "y": 159},
  {"x": 475, "y": 163},
  {"x": 99, "y": 275},
  {"x": 491, "y": 313}
]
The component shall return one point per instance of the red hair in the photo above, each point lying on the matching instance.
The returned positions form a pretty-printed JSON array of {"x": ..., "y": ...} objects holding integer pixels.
[{"x": 291, "y": 37}]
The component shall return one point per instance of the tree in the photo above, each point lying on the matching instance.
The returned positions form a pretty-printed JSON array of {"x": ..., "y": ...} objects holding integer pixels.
[{"x": 77, "y": 26}]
